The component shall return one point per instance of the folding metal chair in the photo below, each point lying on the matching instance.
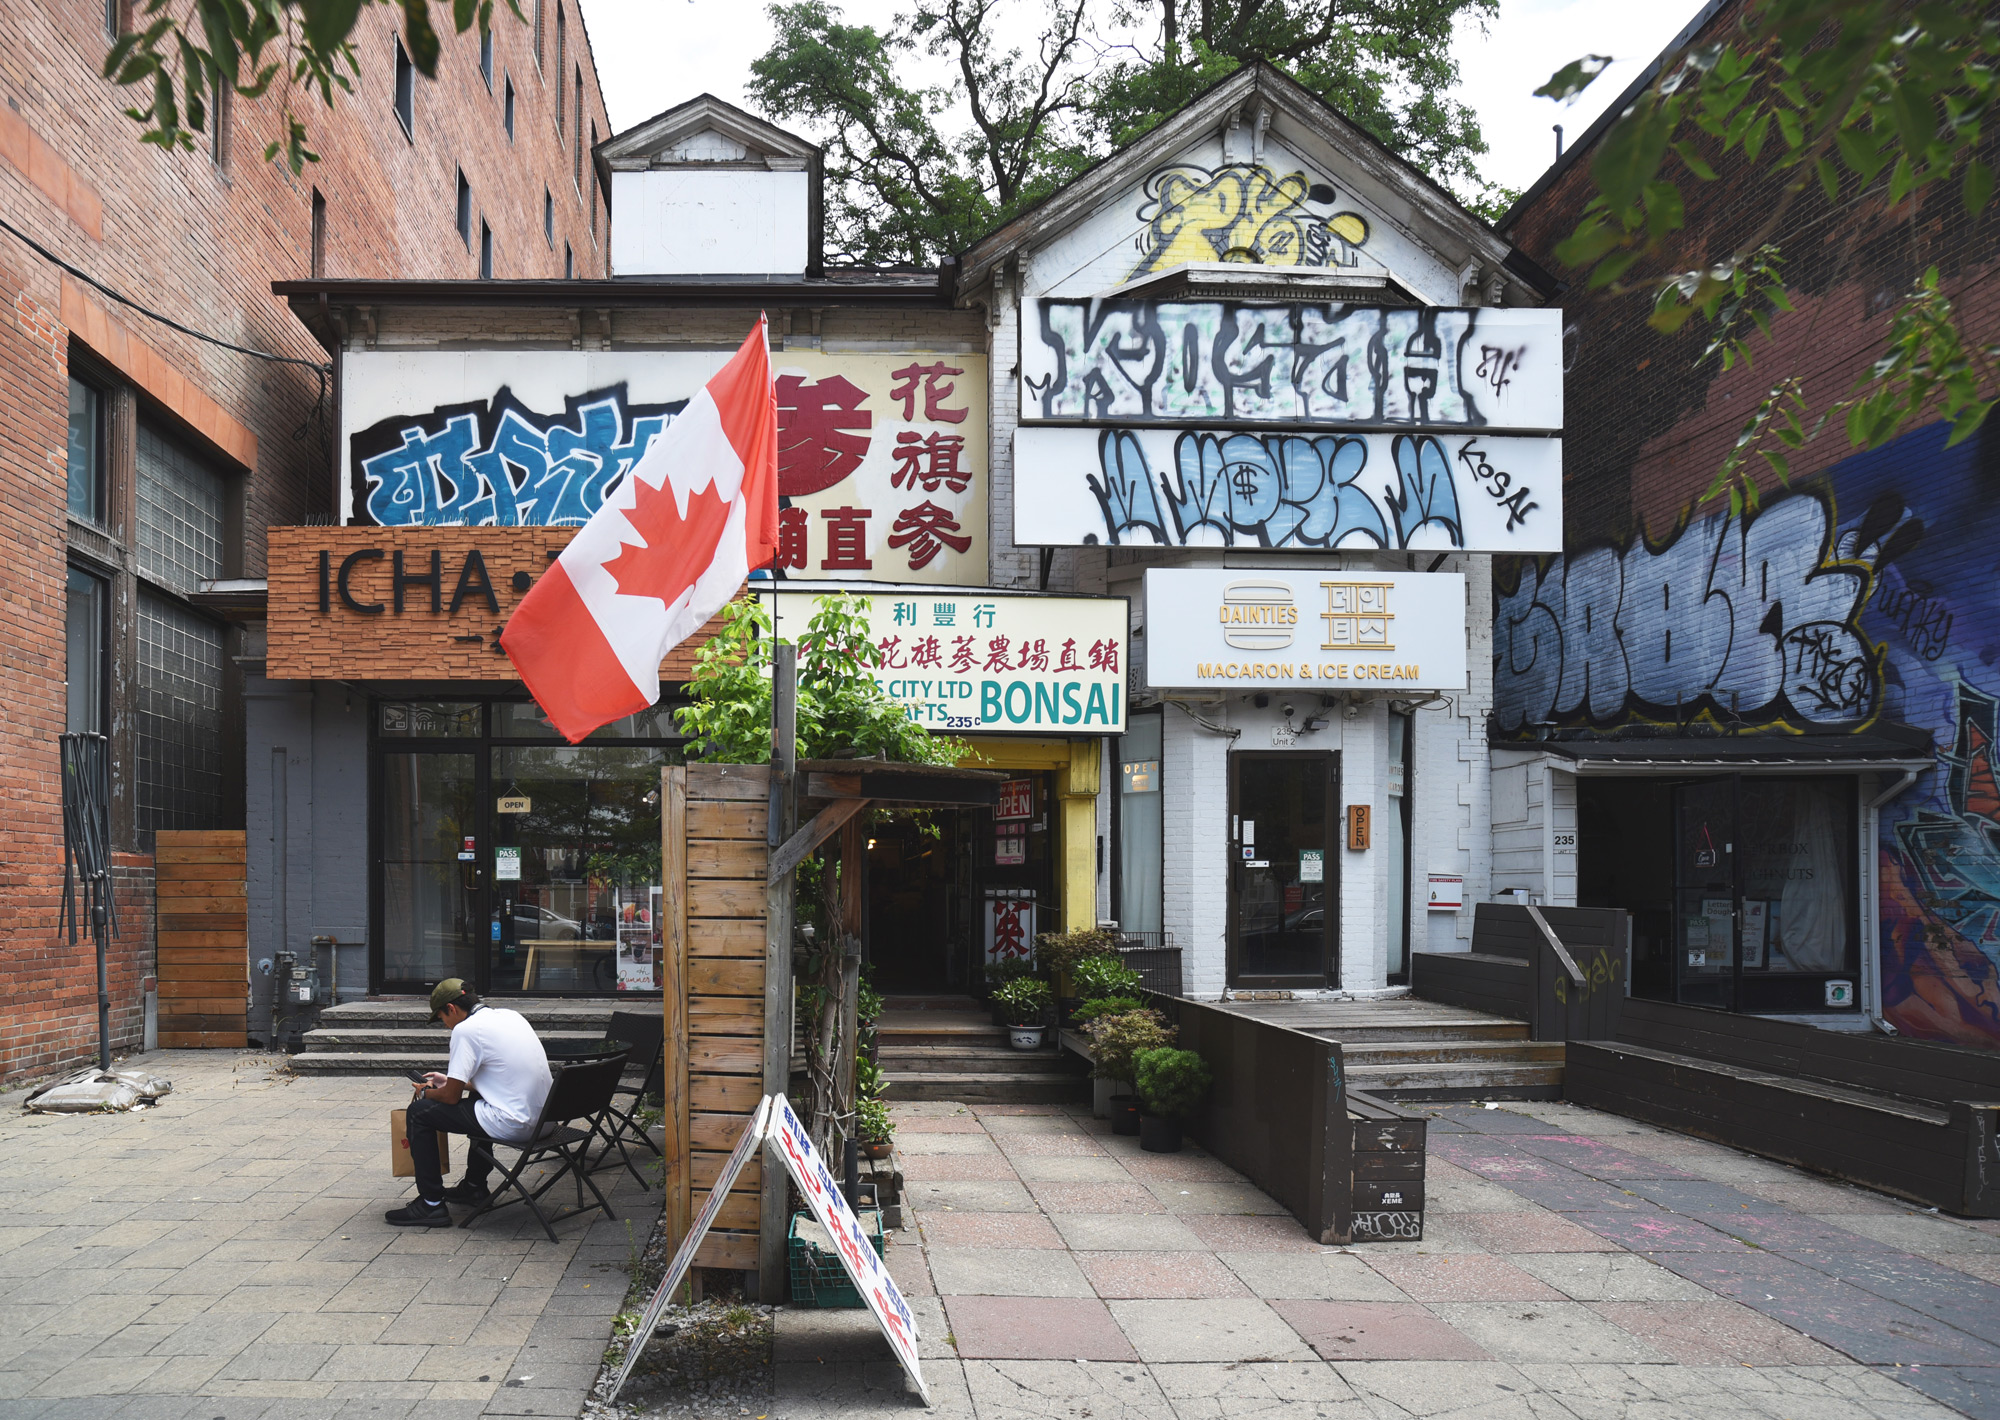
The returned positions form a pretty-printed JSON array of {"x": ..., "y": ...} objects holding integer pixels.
[
  {"x": 579, "y": 1092},
  {"x": 647, "y": 1036}
]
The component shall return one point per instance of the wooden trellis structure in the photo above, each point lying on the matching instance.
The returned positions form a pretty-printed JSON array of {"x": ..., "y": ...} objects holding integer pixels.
[{"x": 729, "y": 845}]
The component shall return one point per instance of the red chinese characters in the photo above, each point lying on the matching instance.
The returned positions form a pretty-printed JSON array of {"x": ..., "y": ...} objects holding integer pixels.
[
  {"x": 819, "y": 442},
  {"x": 936, "y": 390},
  {"x": 926, "y": 530}
]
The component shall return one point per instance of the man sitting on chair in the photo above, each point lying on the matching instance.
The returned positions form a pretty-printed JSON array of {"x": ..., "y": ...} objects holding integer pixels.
[{"x": 498, "y": 1078}]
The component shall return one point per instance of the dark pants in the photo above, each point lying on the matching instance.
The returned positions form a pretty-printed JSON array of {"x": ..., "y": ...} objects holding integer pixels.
[{"x": 429, "y": 1118}]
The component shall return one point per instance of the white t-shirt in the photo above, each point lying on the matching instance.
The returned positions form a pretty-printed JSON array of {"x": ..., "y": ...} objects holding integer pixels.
[{"x": 498, "y": 1054}]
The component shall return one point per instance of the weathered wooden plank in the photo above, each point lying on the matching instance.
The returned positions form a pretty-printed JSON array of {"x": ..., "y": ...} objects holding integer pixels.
[
  {"x": 738, "y": 1210},
  {"x": 676, "y": 1195},
  {"x": 167, "y": 853},
  {"x": 198, "y": 872},
  {"x": 724, "y": 1094},
  {"x": 187, "y": 1005},
  {"x": 716, "y": 1132},
  {"x": 199, "y": 837},
  {"x": 205, "y": 956},
  {"x": 184, "y": 990},
  {"x": 747, "y": 1019},
  {"x": 726, "y": 937},
  {"x": 204, "y": 1039},
  {"x": 739, "y": 782},
  {"x": 827, "y": 822},
  {"x": 725, "y": 858},
  {"x": 735, "y": 1252},
  {"x": 195, "y": 1022},
  {"x": 238, "y": 940},
  {"x": 725, "y": 897},
  {"x": 200, "y": 922},
  {"x": 727, "y": 820},
  {"x": 724, "y": 976},
  {"x": 707, "y": 1167},
  {"x": 181, "y": 969},
  {"x": 202, "y": 906},
  {"x": 726, "y": 1054}
]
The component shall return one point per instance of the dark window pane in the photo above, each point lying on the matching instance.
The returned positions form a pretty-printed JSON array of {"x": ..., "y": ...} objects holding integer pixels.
[
  {"x": 86, "y": 452},
  {"x": 180, "y": 515},
  {"x": 518, "y": 719},
  {"x": 179, "y": 719},
  {"x": 86, "y": 653},
  {"x": 428, "y": 808},
  {"x": 430, "y": 719}
]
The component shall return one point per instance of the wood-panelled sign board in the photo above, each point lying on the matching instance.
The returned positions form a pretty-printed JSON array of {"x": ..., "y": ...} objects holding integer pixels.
[
  {"x": 882, "y": 456},
  {"x": 201, "y": 925},
  {"x": 413, "y": 603},
  {"x": 714, "y": 859},
  {"x": 1294, "y": 427}
]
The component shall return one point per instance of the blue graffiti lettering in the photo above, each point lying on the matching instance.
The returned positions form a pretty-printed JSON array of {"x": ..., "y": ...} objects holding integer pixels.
[{"x": 504, "y": 465}]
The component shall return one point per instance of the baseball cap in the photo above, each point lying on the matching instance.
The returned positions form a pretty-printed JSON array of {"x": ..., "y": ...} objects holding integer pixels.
[{"x": 444, "y": 993}]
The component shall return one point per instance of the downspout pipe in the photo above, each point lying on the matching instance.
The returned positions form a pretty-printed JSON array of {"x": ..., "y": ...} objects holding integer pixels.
[{"x": 1871, "y": 995}]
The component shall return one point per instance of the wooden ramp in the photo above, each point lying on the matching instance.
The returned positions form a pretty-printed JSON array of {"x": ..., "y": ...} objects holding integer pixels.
[{"x": 1405, "y": 1048}]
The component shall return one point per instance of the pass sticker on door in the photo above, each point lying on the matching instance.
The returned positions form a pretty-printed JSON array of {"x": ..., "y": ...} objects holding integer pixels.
[
  {"x": 1312, "y": 865},
  {"x": 506, "y": 865}
]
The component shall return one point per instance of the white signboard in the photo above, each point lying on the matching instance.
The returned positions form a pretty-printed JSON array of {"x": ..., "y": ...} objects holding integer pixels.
[
  {"x": 882, "y": 457},
  {"x": 1319, "y": 629},
  {"x": 857, "y": 1254},
  {"x": 1237, "y": 364},
  {"x": 981, "y": 662},
  {"x": 1306, "y": 489},
  {"x": 1010, "y": 928}
]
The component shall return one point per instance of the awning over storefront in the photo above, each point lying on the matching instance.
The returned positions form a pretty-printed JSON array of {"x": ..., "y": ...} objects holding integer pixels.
[{"x": 1892, "y": 748}]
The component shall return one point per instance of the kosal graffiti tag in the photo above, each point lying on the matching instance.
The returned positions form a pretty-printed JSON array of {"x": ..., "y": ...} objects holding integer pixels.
[
  {"x": 500, "y": 464},
  {"x": 1753, "y": 618},
  {"x": 1166, "y": 362},
  {"x": 1243, "y": 212}
]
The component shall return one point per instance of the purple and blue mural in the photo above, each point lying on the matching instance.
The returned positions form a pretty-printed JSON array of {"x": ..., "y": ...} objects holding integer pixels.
[{"x": 1865, "y": 595}]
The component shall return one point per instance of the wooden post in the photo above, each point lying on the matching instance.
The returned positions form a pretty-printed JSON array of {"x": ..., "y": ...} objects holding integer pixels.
[
  {"x": 774, "y": 1193},
  {"x": 677, "y": 1199}
]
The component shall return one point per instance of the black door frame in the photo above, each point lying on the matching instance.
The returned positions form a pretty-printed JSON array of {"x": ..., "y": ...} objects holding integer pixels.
[
  {"x": 1329, "y": 976},
  {"x": 479, "y": 909}
]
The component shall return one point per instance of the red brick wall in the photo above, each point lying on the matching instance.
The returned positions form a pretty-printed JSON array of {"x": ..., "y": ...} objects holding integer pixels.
[{"x": 202, "y": 242}]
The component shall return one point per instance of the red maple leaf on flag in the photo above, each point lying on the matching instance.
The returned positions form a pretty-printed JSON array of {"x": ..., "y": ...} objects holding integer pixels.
[{"x": 678, "y": 549}]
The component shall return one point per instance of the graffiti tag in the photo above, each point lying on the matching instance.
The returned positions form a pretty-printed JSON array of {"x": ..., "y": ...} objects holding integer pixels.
[
  {"x": 1243, "y": 212},
  {"x": 500, "y": 464},
  {"x": 1922, "y": 618},
  {"x": 1499, "y": 483}
]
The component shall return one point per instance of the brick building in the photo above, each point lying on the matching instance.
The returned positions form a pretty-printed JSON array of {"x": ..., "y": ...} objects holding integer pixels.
[
  {"x": 1770, "y": 736},
  {"x": 141, "y": 465}
]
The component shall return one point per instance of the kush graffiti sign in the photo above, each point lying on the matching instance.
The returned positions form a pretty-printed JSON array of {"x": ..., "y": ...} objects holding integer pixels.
[
  {"x": 1753, "y": 618},
  {"x": 882, "y": 457},
  {"x": 1243, "y": 212},
  {"x": 1190, "y": 362}
]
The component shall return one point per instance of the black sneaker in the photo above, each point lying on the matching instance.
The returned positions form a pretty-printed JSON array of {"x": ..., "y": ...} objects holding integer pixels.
[
  {"x": 419, "y": 1214},
  {"x": 476, "y": 1194}
]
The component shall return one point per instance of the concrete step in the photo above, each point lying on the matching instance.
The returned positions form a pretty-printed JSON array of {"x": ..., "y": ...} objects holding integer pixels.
[
  {"x": 1458, "y": 1082},
  {"x": 962, "y": 1034},
  {"x": 433, "y": 1039},
  {"x": 1481, "y": 1053},
  {"x": 353, "y": 1062},
  {"x": 544, "y": 1013},
  {"x": 1402, "y": 1030},
  {"x": 926, "y": 1059},
  {"x": 986, "y": 1088}
]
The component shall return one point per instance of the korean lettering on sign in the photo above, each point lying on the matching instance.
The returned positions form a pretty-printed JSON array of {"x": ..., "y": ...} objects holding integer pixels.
[{"x": 972, "y": 662}]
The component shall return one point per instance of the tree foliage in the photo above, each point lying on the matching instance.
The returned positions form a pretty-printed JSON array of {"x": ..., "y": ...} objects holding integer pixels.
[
  {"x": 904, "y": 185},
  {"x": 181, "y": 54},
  {"x": 1854, "y": 98},
  {"x": 842, "y": 710}
]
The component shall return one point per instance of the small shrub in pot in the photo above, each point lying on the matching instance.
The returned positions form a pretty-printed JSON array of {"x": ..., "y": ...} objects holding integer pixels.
[
  {"x": 1114, "y": 1040},
  {"x": 1024, "y": 1000},
  {"x": 1171, "y": 1084}
]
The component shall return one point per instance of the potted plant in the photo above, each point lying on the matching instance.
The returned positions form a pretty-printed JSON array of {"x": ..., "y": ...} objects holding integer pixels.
[
  {"x": 1059, "y": 953},
  {"x": 1171, "y": 1085},
  {"x": 874, "y": 1128},
  {"x": 1097, "y": 978},
  {"x": 1024, "y": 1001},
  {"x": 996, "y": 976},
  {"x": 1114, "y": 1041}
]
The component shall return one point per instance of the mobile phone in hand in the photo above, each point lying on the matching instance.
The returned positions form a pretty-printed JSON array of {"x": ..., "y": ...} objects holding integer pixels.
[{"x": 417, "y": 1076}]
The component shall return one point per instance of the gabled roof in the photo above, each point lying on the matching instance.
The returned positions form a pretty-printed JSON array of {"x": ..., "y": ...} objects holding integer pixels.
[
  {"x": 1254, "y": 94},
  {"x": 642, "y": 145}
]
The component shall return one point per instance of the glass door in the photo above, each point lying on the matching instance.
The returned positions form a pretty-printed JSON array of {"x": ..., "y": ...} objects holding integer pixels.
[
  {"x": 432, "y": 873},
  {"x": 1705, "y": 902},
  {"x": 1281, "y": 862}
]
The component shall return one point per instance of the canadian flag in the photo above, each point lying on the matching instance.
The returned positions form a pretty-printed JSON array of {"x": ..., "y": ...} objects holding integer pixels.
[{"x": 667, "y": 550}]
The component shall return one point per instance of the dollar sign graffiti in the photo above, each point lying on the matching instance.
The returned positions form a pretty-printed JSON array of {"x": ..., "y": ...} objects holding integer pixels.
[{"x": 1243, "y": 482}]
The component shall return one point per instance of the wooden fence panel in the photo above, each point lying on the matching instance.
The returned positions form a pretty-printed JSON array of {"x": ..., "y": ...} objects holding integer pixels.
[{"x": 201, "y": 936}]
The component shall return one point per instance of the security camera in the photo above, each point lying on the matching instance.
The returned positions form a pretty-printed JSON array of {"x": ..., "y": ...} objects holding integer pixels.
[{"x": 1287, "y": 708}]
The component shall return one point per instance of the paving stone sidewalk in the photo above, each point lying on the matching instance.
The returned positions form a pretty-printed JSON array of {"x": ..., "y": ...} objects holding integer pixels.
[
  {"x": 223, "y": 1257},
  {"x": 1574, "y": 1265}
]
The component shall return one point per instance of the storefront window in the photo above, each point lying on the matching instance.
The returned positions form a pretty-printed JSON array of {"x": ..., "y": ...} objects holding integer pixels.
[
  {"x": 430, "y": 719},
  {"x": 524, "y": 720},
  {"x": 1397, "y": 841},
  {"x": 1139, "y": 825}
]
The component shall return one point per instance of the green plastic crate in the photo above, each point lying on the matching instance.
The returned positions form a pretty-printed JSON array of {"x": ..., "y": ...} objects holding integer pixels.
[{"x": 819, "y": 1278}]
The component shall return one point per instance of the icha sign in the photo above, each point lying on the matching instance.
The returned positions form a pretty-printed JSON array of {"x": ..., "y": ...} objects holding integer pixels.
[{"x": 984, "y": 662}]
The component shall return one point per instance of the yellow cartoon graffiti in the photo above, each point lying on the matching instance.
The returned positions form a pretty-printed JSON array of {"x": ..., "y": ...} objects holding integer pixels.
[{"x": 1242, "y": 212}]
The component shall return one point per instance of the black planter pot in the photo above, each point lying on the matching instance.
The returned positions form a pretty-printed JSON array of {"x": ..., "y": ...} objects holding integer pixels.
[
  {"x": 1159, "y": 1134},
  {"x": 1124, "y": 1114}
]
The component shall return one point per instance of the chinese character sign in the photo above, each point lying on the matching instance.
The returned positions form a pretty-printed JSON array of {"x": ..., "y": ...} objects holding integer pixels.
[
  {"x": 882, "y": 458},
  {"x": 857, "y": 1254},
  {"x": 987, "y": 663},
  {"x": 1010, "y": 929}
]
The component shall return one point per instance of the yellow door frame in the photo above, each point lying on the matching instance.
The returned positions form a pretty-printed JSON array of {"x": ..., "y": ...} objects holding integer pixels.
[{"x": 1077, "y": 765}]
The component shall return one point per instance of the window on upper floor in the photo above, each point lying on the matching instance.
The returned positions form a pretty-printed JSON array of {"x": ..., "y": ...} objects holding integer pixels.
[
  {"x": 181, "y": 515},
  {"x": 88, "y": 625},
  {"x": 87, "y": 496},
  {"x": 318, "y": 234},
  {"x": 464, "y": 210},
  {"x": 486, "y": 58},
  {"x": 548, "y": 217},
  {"x": 485, "y": 251},
  {"x": 576, "y": 136},
  {"x": 562, "y": 37},
  {"x": 221, "y": 103},
  {"x": 406, "y": 92},
  {"x": 569, "y": 263},
  {"x": 114, "y": 18},
  {"x": 593, "y": 182},
  {"x": 508, "y": 108}
]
